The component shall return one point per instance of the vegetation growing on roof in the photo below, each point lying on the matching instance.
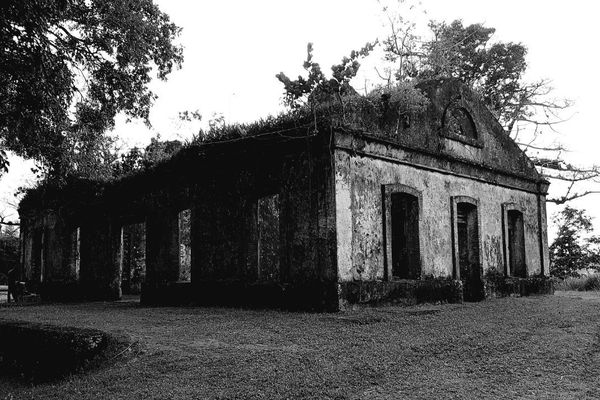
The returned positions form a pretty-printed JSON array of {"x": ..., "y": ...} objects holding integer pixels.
[
  {"x": 370, "y": 113},
  {"x": 314, "y": 104},
  {"x": 381, "y": 112}
]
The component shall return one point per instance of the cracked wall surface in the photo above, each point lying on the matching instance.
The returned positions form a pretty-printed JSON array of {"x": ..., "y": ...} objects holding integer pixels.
[{"x": 359, "y": 216}]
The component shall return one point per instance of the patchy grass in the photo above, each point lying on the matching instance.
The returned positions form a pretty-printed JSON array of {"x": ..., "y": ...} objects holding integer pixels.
[
  {"x": 581, "y": 283},
  {"x": 535, "y": 347}
]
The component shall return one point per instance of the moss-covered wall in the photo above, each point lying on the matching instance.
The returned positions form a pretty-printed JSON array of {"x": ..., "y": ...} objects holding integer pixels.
[
  {"x": 225, "y": 226},
  {"x": 222, "y": 187},
  {"x": 359, "y": 204},
  {"x": 101, "y": 249},
  {"x": 329, "y": 187}
]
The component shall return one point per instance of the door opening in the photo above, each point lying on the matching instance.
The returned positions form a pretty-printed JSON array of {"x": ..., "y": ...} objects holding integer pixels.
[
  {"x": 406, "y": 263},
  {"x": 467, "y": 234},
  {"x": 516, "y": 244}
]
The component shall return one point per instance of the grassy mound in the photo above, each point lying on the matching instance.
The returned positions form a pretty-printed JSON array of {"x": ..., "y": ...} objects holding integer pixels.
[{"x": 41, "y": 352}]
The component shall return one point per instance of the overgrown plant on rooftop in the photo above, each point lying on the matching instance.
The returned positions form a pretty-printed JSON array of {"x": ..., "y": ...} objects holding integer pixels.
[
  {"x": 496, "y": 70},
  {"x": 528, "y": 110},
  {"x": 336, "y": 99}
]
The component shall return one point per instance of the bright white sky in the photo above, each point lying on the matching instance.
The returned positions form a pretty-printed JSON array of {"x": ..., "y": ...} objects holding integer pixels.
[{"x": 234, "y": 48}]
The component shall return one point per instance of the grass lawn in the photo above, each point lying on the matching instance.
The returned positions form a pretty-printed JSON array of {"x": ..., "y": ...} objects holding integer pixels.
[{"x": 536, "y": 347}]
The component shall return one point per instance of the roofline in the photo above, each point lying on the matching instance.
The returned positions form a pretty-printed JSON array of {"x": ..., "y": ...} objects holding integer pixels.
[{"x": 532, "y": 185}]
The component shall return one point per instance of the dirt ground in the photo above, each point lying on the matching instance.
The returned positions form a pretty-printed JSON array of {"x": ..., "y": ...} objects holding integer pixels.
[{"x": 545, "y": 347}]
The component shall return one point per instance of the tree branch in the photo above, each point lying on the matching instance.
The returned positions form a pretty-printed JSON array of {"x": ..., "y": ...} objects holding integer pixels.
[
  {"x": 10, "y": 223},
  {"x": 567, "y": 197},
  {"x": 3, "y": 221}
]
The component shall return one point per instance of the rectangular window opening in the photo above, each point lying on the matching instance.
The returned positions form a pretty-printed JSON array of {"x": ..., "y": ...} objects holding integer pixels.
[
  {"x": 133, "y": 251},
  {"x": 404, "y": 213},
  {"x": 516, "y": 244},
  {"x": 185, "y": 245},
  {"x": 75, "y": 255},
  {"x": 268, "y": 238},
  {"x": 37, "y": 257},
  {"x": 467, "y": 238}
]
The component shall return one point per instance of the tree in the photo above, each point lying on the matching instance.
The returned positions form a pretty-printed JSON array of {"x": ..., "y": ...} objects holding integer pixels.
[
  {"x": 137, "y": 159},
  {"x": 316, "y": 88},
  {"x": 9, "y": 248},
  {"x": 67, "y": 67},
  {"x": 570, "y": 251},
  {"x": 495, "y": 69}
]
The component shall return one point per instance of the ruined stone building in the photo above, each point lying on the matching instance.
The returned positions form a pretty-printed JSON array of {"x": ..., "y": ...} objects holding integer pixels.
[{"x": 444, "y": 206}]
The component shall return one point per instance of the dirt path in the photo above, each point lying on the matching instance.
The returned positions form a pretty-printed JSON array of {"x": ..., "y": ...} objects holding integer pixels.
[{"x": 536, "y": 347}]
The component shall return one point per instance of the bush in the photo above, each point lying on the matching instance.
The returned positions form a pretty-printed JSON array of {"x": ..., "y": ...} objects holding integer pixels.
[
  {"x": 580, "y": 283},
  {"x": 592, "y": 282}
]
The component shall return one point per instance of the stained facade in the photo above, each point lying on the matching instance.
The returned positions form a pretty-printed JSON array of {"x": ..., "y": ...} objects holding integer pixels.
[{"x": 447, "y": 207}]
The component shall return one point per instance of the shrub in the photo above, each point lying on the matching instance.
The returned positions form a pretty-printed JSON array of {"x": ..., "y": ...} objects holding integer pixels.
[
  {"x": 591, "y": 282},
  {"x": 580, "y": 283}
]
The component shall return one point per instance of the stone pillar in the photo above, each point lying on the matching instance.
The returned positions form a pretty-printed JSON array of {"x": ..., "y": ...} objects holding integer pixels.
[
  {"x": 162, "y": 253},
  {"x": 58, "y": 282},
  {"x": 100, "y": 269},
  {"x": 56, "y": 268},
  {"x": 26, "y": 250}
]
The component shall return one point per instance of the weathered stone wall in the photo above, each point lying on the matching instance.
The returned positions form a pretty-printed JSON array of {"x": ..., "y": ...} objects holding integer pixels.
[
  {"x": 101, "y": 252},
  {"x": 46, "y": 252},
  {"x": 162, "y": 246},
  {"x": 328, "y": 226},
  {"x": 26, "y": 250},
  {"x": 492, "y": 149},
  {"x": 359, "y": 179},
  {"x": 225, "y": 230}
]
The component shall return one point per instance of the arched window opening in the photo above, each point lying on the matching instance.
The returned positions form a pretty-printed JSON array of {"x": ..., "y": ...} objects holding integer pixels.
[{"x": 458, "y": 122}]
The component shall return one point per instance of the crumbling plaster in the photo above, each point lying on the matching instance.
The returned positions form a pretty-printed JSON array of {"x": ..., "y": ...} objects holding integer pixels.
[{"x": 359, "y": 208}]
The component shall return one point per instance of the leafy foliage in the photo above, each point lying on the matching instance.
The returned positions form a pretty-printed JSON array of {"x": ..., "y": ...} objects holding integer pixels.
[
  {"x": 336, "y": 100},
  {"x": 316, "y": 88},
  {"x": 9, "y": 251},
  {"x": 452, "y": 50},
  {"x": 85, "y": 153},
  {"x": 494, "y": 70},
  {"x": 67, "y": 67},
  {"x": 137, "y": 159},
  {"x": 580, "y": 283},
  {"x": 570, "y": 251}
]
